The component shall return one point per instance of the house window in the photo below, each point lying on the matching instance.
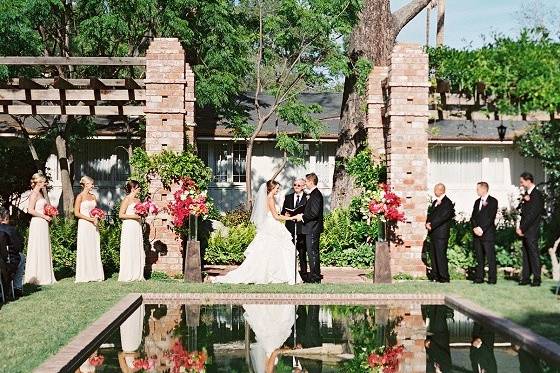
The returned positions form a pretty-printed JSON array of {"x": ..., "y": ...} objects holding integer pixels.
[
  {"x": 227, "y": 161},
  {"x": 104, "y": 161},
  {"x": 455, "y": 164}
]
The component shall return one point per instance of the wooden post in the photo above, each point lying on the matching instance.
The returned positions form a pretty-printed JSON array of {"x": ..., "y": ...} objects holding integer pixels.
[
  {"x": 192, "y": 271},
  {"x": 382, "y": 269}
]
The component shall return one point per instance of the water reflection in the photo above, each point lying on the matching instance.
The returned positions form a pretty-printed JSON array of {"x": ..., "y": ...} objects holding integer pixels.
[{"x": 267, "y": 338}]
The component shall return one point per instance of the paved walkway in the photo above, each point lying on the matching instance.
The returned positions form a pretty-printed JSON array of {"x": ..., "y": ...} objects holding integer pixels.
[{"x": 331, "y": 275}]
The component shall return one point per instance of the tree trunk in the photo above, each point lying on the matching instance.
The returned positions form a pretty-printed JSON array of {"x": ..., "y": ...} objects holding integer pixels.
[
  {"x": 249, "y": 174},
  {"x": 440, "y": 23},
  {"x": 65, "y": 176},
  {"x": 373, "y": 38}
]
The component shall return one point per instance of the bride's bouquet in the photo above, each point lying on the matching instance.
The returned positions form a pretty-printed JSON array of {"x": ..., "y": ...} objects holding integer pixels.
[
  {"x": 143, "y": 209},
  {"x": 97, "y": 213},
  {"x": 51, "y": 211}
]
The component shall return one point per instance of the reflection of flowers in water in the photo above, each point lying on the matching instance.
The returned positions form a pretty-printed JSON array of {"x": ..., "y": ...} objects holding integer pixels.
[
  {"x": 97, "y": 360},
  {"x": 385, "y": 359},
  {"x": 143, "y": 364},
  {"x": 188, "y": 362}
]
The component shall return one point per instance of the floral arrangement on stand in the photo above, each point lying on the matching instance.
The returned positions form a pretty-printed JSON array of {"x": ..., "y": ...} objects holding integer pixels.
[
  {"x": 189, "y": 201},
  {"x": 385, "y": 359},
  {"x": 384, "y": 207},
  {"x": 184, "y": 361},
  {"x": 51, "y": 211}
]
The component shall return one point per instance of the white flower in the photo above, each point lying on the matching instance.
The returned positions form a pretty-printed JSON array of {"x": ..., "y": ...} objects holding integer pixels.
[{"x": 184, "y": 196}]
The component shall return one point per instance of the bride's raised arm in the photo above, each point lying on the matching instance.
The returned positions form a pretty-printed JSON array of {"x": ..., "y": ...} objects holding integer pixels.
[{"x": 275, "y": 214}]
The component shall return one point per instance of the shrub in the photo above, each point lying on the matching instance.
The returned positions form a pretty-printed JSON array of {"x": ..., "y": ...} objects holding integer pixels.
[
  {"x": 236, "y": 217},
  {"x": 110, "y": 234},
  {"x": 229, "y": 249},
  {"x": 63, "y": 234}
]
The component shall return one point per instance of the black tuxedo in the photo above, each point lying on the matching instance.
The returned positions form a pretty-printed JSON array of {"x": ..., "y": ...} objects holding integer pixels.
[
  {"x": 440, "y": 217},
  {"x": 483, "y": 356},
  {"x": 312, "y": 229},
  {"x": 531, "y": 213},
  {"x": 289, "y": 202},
  {"x": 484, "y": 216}
]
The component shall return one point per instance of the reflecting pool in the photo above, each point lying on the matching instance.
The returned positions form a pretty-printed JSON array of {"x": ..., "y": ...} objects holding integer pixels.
[{"x": 263, "y": 338}]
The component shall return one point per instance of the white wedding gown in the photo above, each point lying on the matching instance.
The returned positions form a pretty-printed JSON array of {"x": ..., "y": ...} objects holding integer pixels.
[{"x": 271, "y": 257}]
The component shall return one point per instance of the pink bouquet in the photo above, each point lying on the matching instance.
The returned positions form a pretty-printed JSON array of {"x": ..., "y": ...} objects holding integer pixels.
[
  {"x": 146, "y": 208},
  {"x": 97, "y": 213},
  {"x": 96, "y": 360},
  {"x": 143, "y": 364},
  {"x": 51, "y": 211}
]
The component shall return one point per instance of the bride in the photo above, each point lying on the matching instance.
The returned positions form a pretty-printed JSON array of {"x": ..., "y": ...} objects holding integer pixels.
[{"x": 271, "y": 256}]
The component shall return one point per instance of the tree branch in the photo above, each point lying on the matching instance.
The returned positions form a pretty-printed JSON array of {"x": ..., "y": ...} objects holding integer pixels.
[
  {"x": 280, "y": 167},
  {"x": 407, "y": 12},
  {"x": 258, "y": 67}
]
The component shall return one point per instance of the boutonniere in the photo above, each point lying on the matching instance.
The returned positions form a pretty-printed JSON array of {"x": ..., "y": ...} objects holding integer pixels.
[
  {"x": 485, "y": 203},
  {"x": 307, "y": 197}
]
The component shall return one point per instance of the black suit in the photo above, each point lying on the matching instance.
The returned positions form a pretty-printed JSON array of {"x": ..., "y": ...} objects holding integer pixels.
[
  {"x": 531, "y": 213},
  {"x": 438, "y": 352},
  {"x": 484, "y": 216},
  {"x": 289, "y": 202},
  {"x": 312, "y": 229},
  {"x": 483, "y": 358},
  {"x": 440, "y": 217}
]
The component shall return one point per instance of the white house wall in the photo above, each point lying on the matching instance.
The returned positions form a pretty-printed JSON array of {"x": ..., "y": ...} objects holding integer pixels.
[{"x": 459, "y": 166}]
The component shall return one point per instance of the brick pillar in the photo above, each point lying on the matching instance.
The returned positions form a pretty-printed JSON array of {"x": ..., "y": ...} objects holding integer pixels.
[
  {"x": 376, "y": 110},
  {"x": 168, "y": 104},
  {"x": 189, "y": 105},
  {"x": 411, "y": 333},
  {"x": 407, "y": 148}
]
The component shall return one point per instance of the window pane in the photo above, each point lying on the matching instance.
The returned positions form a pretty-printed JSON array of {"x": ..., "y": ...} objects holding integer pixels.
[
  {"x": 455, "y": 164},
  {"x": 239, "y": 154},
  {"x": 220, "y": 166}
]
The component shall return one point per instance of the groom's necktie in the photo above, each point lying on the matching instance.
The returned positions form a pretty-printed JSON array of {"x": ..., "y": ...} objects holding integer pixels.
[{"x": 297, "y": 201}]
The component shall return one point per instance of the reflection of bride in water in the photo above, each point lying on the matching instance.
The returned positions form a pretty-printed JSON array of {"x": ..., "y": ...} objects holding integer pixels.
[{"x": 272, "y": 325}]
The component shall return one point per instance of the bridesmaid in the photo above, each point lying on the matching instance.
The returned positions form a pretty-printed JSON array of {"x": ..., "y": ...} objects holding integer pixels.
[
  {"x": 39, "y": 267},
  {"x": 132, "y": 258},
  {"x": 88, "y": 258}
]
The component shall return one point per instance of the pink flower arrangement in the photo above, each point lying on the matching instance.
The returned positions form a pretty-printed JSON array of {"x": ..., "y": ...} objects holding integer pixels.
[
  {"x": 143, "y": 364},
  {"x": 146, "y": 208},
  {"x": 386, "y": 205},
  {"x": 97, "y": 213},
  {"x": 188, "y": 200},
  {"x": 185, "y": 361},
  {"x": 387, "y": 361},
  {"x": 96, "y": 360},
  {"x": 51, "y": 211}
]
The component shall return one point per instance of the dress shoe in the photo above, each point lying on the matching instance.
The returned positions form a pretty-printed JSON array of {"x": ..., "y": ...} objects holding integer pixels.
[
  {"x": 18, "y": 293},
  {"x": 491, "y": 282},
  {"x": 478, "y": 282},
  {"x": 535, "y": 283},
  {"x": 524, "y": 283}
]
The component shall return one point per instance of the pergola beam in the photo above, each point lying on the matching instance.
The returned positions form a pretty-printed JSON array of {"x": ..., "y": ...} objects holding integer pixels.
[{"x": 73, "y": 61}]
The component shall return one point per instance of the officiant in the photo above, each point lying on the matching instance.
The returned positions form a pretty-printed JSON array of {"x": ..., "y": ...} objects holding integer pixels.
[{"x": 291, "y": 202}]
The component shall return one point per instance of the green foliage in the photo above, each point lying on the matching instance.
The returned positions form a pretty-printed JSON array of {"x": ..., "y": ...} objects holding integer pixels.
[
  {"x": 229, "y": 248},
  {"x": 110, "y": 234},
  {"x": 170, "y": 167},
  {"x": 365, "y": 172},
  {"x": 158, "y": 275},
  {"x": 345, "y": 241},
  {"x": 236, "y": 217},
  {"x": 362, "y": 68},
  {"x": 63, "y": 234}
]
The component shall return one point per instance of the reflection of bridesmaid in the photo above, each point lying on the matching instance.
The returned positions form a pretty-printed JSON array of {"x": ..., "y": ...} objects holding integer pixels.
[
  {"x": 527, "y": 362},
  {"x": 437, "y": 344},
  {"x": 88, "y": 257},
  {"x": 132, "y": 257},
  {"x": 482, "y": 350},
  {"x": 131, "y": 339},
  {"x": 38, "y": 267}
]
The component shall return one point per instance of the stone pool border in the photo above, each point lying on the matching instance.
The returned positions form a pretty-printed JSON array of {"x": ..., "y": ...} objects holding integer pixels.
[{"x": 82, "y": 345}]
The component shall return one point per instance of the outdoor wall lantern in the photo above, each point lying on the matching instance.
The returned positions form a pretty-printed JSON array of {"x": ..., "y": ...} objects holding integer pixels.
[{"x": 502, "y": 131}]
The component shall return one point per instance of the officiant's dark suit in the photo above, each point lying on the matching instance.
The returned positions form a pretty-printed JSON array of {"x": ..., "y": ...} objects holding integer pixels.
[
  {"x": 313, "y": 227},
  {"x": 483, "y": 216},
  {"x": 532, "y": 209},
  {"x": 292, "y": 201},
  {"x": 438, "y": 223}
]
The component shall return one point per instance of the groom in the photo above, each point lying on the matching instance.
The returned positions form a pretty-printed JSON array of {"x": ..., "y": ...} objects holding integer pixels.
[{"x": 312, "y": 219}]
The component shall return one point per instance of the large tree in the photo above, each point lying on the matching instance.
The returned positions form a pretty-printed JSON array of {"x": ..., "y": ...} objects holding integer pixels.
[{"x": 372, "y": 39}]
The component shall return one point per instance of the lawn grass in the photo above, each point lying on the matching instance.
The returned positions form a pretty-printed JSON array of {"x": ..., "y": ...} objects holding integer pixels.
[{"x": 39, "y": 324}]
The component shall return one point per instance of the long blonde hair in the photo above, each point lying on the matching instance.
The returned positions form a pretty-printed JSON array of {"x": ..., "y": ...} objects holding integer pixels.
[
  {"x": 37, "y": 178},
  {"x": 85, "y": 179}
]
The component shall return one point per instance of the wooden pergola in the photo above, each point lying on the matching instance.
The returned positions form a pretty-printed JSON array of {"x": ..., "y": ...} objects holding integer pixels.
[{"x": 61, "y": 96}]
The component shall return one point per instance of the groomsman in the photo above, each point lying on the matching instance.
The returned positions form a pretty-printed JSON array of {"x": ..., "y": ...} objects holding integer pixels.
[
  {"x": 532, "y": 208},
  {"x": 292, "y": 201},
  {"x": 484, "y": 229},
  {"x": 438, "y": 224}
]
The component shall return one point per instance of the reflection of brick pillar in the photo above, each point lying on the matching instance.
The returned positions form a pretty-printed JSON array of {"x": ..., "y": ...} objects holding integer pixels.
[
  {"x": 411, "y": 333},
  {"x": 407, "y": 157},
  {"x": 376, "y": 111},
  {"x": 168, "y": 105}
]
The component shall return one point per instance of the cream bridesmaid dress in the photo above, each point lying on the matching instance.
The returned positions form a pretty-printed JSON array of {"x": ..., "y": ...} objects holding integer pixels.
[
  {"x": 39, "y": 267},
  {"x": 132, "y": 255},
  {"x": 88, "y": 259}
]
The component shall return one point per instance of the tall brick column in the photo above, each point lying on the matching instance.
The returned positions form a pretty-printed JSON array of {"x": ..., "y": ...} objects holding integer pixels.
[
  {"x": 169, "y": 106},
  {"x": 375, "y": 123},
  {"x": 407, "y": 152}
]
